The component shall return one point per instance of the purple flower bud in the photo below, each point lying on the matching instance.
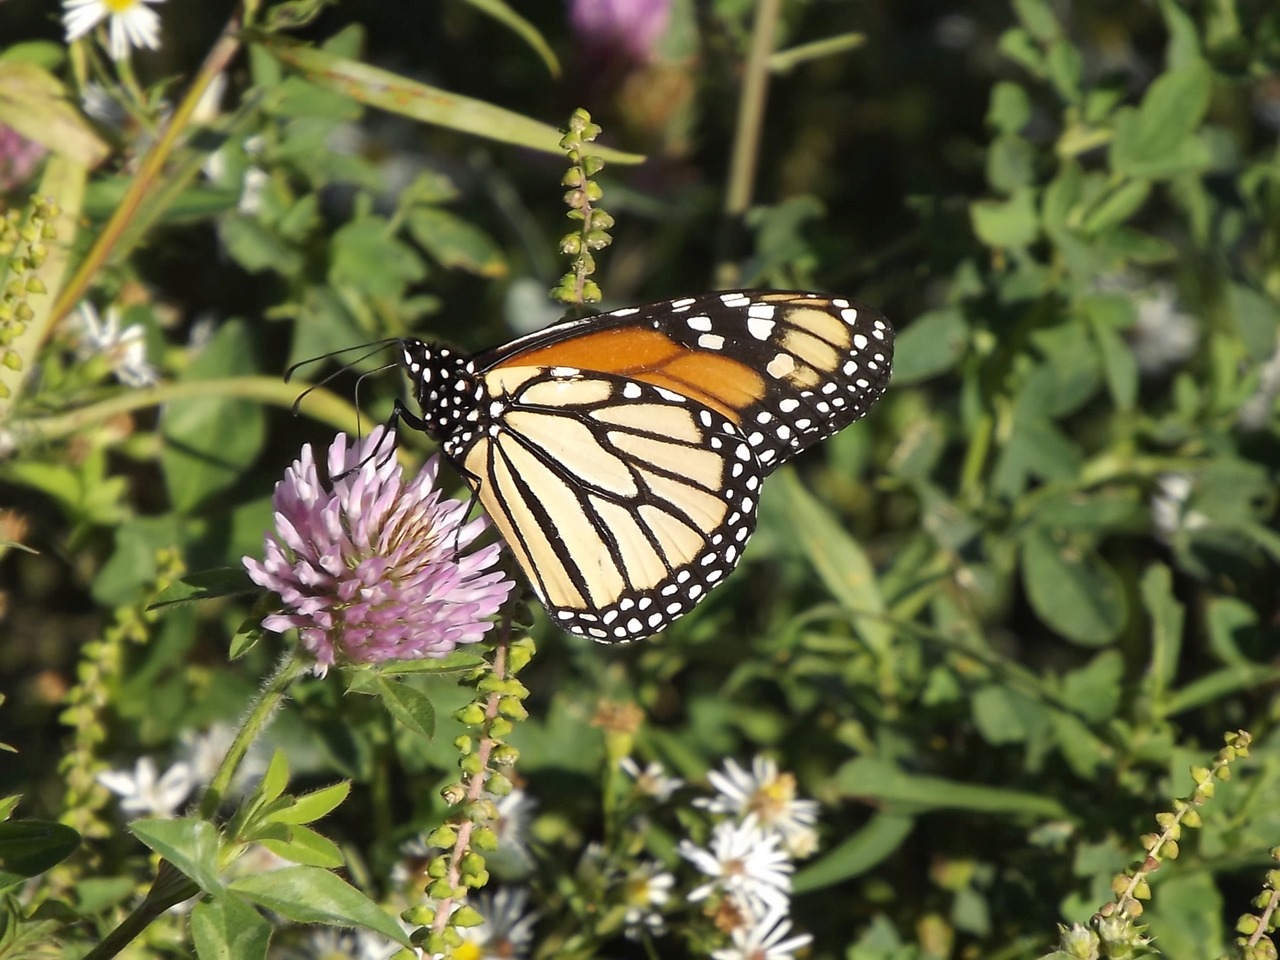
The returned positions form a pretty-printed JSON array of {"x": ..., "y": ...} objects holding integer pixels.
[{"x": 624, "y": 29}]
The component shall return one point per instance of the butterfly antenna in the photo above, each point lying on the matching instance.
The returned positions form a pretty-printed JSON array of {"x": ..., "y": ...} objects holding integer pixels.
[{"x": 370, "y": 350}]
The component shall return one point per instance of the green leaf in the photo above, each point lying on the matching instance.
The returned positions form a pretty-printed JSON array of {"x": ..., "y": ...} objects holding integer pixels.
[
  {"x": 35, "y": 104},
  {"x": 312, "y": 806},
  {"x": 1230, "y": 621},
  {"x": 1217, "y": 686},
  {"x": 1006, "y": 223},
  {"x": 275, "y": 779},
  {"x": 246, "y": 637},
  {"x": 931, "y": 344},
  {"x": 1010, "y": 108},
  {"x": 1038, "y": 19},
  {"x": 367, "y": 257},
  {"x": 874, "y": 779},
  {"x": 1117, "y": 206},
  {"x": 839, "y": 561},
  {"x": 1019, "y": 46},
  {"x": 1187, "y": 916},
  {"x": 205, "y": 585},
  {"x": 189, "y": 844},
  {"x": 410, "y": 706},
  {"x": 397, "y": 94},
  {"x": 312, "y": 895},
  {"x": 1107, "y": 316},
  {"x": 883, "y": 834},
  {"x": 1065, "y": 64},
  {"x": 30, "y": 847},
  {"x": 1155, "y": 140},
  {"x": 1167, "y": 617},
  {"x": 1005, "y": 716},
  {"x": 228, "y": 928},
  {"x": 258, "y": 249},
  {"x": 1094, "y": 691},
  {"x": 211, "y": 440},
  {"x": 1011, "y": 164},
  {"x": 303, "y": 845},
  {"x": 459, "y": 661},
  {"x": 456, "y": 243},
  {"x": 522, "y": 28},
  {"x": 1073, "y": 590}
]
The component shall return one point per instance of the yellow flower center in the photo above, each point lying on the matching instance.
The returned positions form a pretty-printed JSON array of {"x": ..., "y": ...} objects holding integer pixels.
[
  {"x": 771, "y": 800},
  {"x": 117, "y": 7}
]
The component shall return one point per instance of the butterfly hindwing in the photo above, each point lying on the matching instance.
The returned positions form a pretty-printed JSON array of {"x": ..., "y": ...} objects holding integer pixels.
[{"x": 624, "y": 503}]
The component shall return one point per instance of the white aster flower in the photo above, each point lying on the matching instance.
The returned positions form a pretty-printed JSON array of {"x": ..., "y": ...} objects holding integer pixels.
[
  {"x": 125, "y": 350},
  {"x": 652, "y": 780},
  {"x": 1169, "y": 512},
  {"x": 645, "y": 888},
  {"x": 204, "y": 751},
  {"x": 142, "y": 793},
  {"x": 765, "y": 940},
  {"x": 768, "y": 797},
  {"x": 1163, "y": 336},
  {"x": 506, "y": 932},
  {"x": 745, "y": 863},
  {"x": 132, "y": 23}
]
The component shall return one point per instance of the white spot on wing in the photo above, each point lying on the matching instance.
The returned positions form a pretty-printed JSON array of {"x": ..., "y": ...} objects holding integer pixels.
[
  {"x": 760, "y": 328},
  {"x": 700, "y": 322},
  {"x": 711, "y": 341}
]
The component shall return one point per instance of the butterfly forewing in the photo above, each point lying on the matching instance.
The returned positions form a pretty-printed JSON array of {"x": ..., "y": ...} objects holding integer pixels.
[{"x": 789, "y": 368}]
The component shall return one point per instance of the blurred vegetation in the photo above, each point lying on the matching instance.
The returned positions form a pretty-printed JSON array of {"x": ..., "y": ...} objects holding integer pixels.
[{"x": 990, "y": 628}]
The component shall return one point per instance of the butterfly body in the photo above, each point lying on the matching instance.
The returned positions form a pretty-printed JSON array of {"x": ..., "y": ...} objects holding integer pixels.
[{"x": 621, "y": 456}]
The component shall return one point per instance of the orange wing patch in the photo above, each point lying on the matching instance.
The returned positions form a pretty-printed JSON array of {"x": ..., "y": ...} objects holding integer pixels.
[{"x": 721, "y": 383}]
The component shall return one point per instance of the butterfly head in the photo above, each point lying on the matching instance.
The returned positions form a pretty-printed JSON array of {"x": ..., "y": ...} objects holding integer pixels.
[{"x": 444, "y": 384}]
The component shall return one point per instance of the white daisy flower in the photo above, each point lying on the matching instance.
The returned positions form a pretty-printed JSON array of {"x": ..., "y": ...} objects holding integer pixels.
[
  {"x": 125, "y": 350},
  {"x": 652, "y": 780},
  {"x": 764, "y": 940},
  {"x": 745, "y": 863},
  {"x": 142, "y": 793},
  {"x": 132, "y": 23},
  {"x": 507, "y": 930},
  {"x": 768, "y": 797},
  {"x": 645, "y": 888}
]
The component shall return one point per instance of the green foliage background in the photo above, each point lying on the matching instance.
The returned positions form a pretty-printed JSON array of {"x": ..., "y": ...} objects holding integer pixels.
[{"x": 989, "y": 628}]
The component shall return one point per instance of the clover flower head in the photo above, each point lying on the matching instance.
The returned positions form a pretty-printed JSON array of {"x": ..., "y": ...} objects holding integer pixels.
[{"x": 371, "y": 568}]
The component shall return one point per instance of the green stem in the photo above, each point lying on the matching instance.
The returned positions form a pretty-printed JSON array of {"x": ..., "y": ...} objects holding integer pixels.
[
  {"x": 746, "y": 140},
  {"x": 259, "y": 716},
  {"x": 320, "y": 404},
  {"x": 143, "y": 183},
  {"x": 170, "y": 885}
]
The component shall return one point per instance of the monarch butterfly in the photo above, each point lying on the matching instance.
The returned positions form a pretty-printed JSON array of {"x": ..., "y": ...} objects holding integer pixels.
[{"x": 621, "y": 456}]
